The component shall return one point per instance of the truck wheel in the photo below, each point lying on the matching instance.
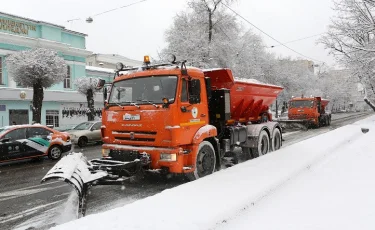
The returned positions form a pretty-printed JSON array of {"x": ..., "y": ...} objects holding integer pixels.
[
  {"x": 263, "y": 145},
  {"x": 276, "y": 140},
  {"x": 205, "y": 163}
]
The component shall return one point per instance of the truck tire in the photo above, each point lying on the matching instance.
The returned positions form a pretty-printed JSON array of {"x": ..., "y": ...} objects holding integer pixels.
[
  {"x": 276, "y": 140},
  {"x": 205, "y": 163},
  {"x": 263, "y": 145}
]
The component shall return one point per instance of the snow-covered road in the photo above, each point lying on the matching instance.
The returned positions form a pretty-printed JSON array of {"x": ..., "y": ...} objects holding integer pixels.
[
  {"x": 325, "y": 182},
  {"x": 34, "y": 205}
]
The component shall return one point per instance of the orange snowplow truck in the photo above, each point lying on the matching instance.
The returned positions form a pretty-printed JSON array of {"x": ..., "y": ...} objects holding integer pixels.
[
  {"x": 308, "y": 112},
  {"x": 174, "y": 119}
]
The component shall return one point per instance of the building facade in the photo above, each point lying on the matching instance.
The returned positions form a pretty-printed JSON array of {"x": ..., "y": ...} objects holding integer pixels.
[
  {"x": 109, "y": 61},
  {"x": 63, "y": 106}
]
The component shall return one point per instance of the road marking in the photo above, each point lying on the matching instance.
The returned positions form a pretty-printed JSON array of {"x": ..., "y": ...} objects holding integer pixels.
[
  {"x": 24, "y": 213},
  {"x": 25, "y": 192}
]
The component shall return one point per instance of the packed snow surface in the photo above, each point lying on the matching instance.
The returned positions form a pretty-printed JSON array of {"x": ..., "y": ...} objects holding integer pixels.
[{"x": 325, "y": 182}]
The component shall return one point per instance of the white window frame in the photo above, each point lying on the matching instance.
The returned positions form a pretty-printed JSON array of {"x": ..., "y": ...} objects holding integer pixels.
[{"x": 55, "y": 117}]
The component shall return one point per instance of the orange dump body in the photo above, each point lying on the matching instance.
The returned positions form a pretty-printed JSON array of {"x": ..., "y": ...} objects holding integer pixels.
[
  {"x": 248, "y": 99},
  {"x": 324, "y": 103}
]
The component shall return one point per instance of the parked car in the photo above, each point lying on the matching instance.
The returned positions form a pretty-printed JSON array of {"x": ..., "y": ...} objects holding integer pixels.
[
  {"x": 32, "y": 141},
  {"x": 86, "y": 132}
]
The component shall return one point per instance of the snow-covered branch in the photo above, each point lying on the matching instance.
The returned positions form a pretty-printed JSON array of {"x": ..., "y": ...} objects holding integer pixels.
[{"x": 40, "y": 65}]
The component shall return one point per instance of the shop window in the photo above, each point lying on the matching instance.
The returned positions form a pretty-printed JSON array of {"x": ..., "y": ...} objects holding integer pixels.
[
  {"x": 52, "y": 118},
  {"x": 1, "y": 71},
  {"x": 67, "y": 79}
]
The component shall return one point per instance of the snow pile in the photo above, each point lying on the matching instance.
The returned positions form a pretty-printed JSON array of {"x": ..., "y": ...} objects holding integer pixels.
[
  {"x": 325, "y": 182},
  {"x": 253, "y": 81}
]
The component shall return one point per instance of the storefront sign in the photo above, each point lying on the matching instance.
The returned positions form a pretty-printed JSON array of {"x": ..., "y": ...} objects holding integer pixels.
[{"x": 16, "y": 27}]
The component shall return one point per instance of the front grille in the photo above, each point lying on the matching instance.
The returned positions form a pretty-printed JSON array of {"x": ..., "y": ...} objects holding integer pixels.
[
  {"x": 135, "y": 139},
  {"x": 299, "y": 116},
  {"x": 135, "y": 132},
  {"x": 126, "y": 135}
]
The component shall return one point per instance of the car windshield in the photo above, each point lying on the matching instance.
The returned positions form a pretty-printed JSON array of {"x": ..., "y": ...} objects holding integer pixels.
[
  {"x": 302, "y": 104},
  {"x": 83, "y": 126},
  {"x": 143, "y": 90},
  {"x": 2, "y": 130}
]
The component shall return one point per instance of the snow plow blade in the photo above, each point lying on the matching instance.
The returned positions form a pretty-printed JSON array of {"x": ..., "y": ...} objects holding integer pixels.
[
  {"x": 82, "y": 174},
  {"x": 75, "y": 170},
  {"x": 294, "y": 124}
]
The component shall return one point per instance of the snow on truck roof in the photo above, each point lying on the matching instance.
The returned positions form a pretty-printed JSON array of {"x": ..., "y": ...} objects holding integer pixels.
[{"x": 240, "y": 80}]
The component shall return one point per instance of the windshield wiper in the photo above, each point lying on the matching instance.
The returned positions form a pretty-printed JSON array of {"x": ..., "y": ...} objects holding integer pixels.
[
  {"x": 150, "y": 102},
  {"x": 133, "y": 103},
  {"x": 114, "y": 103}
]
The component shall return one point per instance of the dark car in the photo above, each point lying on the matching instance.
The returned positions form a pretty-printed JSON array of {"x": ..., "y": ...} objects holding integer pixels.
[{"x": 32, "y": 141}]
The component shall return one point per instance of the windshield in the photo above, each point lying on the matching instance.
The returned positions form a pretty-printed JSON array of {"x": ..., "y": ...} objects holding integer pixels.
[
  {"x": 83, "y": 126},
  {"x": 302, "y": 104},
  {"x": 144, "y": 90},
  {"x": 2, "y": 130}
]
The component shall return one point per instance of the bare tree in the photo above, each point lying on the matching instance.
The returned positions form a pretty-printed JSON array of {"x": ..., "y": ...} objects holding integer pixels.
[
  {"x": 88, "y": 86},
  {"x": 351, "y": 39},
  {"x": 38, "y": 68}
]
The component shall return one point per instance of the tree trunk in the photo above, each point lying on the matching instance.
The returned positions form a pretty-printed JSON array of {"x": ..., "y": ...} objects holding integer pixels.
[
  {"x": 38, "y": 97},
  {"x": 370, "y": 104},
  {"x": 209, "y": 26},
  {"x": 90, "y": 105}
]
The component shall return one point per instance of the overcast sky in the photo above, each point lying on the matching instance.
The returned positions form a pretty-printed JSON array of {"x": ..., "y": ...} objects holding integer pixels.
[{"x": 139, "y": 29}]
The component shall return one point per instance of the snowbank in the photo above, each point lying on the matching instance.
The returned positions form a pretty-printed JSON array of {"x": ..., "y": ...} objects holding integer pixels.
[{"x": 278, "y": 185}]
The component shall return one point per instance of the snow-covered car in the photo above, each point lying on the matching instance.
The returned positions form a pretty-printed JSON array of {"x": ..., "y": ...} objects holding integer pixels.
[
  {"x": 32, "y": 141},
  {"x": 86, "y": 132}
]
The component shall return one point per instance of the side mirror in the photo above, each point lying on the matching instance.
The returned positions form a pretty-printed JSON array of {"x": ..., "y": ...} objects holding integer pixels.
[
  {"x": 194, "y": 88},
  {"x": 5, "y": 140}
]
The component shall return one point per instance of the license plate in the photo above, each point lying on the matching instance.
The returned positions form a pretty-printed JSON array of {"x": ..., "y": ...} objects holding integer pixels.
[{"x": 129, "y": 117}]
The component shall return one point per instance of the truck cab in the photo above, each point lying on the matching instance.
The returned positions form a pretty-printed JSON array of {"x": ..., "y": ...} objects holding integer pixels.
[
  {"x": 312, "y": 109},
  {"x": 166, "y": 114}
]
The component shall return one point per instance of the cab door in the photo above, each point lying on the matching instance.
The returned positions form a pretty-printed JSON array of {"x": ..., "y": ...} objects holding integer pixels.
[
  {"x": 193, "y": 111},
  {"x": 11, "y": 145}
]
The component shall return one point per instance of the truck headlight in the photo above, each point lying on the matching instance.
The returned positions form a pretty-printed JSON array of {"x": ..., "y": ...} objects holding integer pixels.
[
  {"x": 105, "y": 152},
  {"x": 168, "y": 156}
]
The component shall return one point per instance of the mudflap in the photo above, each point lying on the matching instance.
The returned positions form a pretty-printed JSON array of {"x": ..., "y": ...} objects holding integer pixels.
[{"x": 75, "y": 170}]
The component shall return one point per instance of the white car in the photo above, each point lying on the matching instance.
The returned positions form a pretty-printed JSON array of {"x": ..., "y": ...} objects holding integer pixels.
[{"x": 85, "y": 133}]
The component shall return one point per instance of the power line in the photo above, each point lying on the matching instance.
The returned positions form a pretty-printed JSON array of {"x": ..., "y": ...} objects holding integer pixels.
[
  {"x": 300, "y": 39},
  {"x": 268, "y": 34},
  {"x": 119, "y": 8}
]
